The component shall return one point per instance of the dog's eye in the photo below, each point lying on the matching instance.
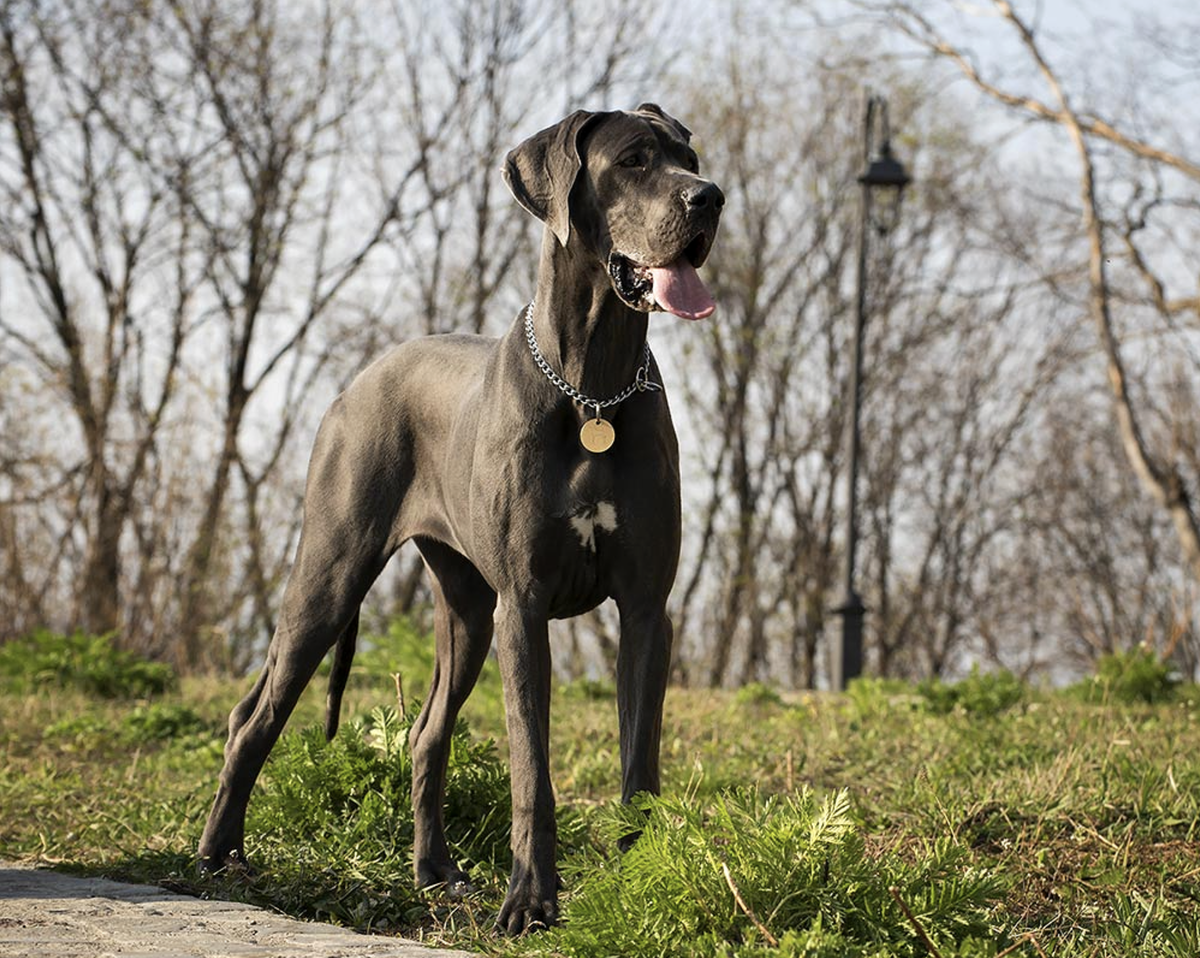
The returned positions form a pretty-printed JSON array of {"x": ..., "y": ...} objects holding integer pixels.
[
  {"x": 632, "y": 160},
  {"x": 692, "y": 162}
]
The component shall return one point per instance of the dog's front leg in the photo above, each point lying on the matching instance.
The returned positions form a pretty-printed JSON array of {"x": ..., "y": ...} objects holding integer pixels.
[
  {"x": 643, "y": 666},
  {"x": 523, "y": 648}
]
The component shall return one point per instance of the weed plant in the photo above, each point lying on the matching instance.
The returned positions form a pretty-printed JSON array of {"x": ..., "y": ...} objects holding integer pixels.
[
  {"x": 1133, "y": 677},
  {"x": 979, "y": 694},
  {"x": 332, "y": 826}
]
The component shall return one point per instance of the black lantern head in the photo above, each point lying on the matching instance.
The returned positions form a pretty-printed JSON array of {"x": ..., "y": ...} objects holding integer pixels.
[
  {"x": 885, "y": 170},
  {"x": 887, "y": 175}
]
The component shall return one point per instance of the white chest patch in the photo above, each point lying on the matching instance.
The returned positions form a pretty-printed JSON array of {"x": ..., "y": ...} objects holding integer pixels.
[{"x": 603, "y": 515}]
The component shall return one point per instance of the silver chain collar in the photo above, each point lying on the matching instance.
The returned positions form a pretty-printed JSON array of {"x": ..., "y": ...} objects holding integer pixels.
[{"x": 641, "y": 380}]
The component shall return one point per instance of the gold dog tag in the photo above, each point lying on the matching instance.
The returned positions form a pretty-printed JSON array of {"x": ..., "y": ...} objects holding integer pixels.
[{"x": 597, "y": 435}]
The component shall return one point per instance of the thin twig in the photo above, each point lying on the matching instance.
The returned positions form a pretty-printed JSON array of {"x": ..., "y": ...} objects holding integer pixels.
[
  {"x": 1026, "y": 939},
  {"x": 399, "y": 691},
  {"x": 924, "y": 32},
  {"x": 1014, "y": 946},
  {"x": 737, "y": 896},
  {"x": 895, "y": 893}
]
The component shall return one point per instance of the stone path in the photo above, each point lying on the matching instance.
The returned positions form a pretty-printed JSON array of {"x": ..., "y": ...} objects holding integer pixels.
[{"x": 45, "y": 914}]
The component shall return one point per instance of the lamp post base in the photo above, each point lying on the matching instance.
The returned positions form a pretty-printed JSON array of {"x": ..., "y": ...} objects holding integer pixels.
[{"x": 848, "y": 660}]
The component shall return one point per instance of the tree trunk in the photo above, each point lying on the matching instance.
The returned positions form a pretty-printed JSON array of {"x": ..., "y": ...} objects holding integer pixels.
[
  {"x": 1163, "y": 483},
  {"x": 197, "y": 615},
  {"x": 99, "y": 594}
]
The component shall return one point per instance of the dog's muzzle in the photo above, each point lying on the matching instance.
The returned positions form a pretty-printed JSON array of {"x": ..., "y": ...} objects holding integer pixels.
[{"x": 672, "y": 287}]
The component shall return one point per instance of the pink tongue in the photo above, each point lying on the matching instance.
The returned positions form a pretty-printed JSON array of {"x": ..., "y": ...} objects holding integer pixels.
[{"x": 679, "y": 290}]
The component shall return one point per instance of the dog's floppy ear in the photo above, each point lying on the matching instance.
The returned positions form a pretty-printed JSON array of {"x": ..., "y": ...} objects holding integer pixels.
[
  {"x": 541, "y": 171},
  {"x": 662, "y": 114}
]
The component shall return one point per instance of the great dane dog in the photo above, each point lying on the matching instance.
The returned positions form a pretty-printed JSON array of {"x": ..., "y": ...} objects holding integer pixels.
[{"x": 537, "y": 473}]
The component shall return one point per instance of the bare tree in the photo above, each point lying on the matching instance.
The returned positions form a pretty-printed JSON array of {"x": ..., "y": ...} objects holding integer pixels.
[
  {"x": 278, "y": 86},
  {"x": 1095, "y": 569},
  {"x": 965, "y": 354},
  {"x": 84, "y": 229},
  {"x": 1137, "y": 216},
  {"x": 778, "y": 254},
  {"x": 202, "y": 203},
  {"x": 212, "y": 217},
  {"x": 954, "y": 382}
]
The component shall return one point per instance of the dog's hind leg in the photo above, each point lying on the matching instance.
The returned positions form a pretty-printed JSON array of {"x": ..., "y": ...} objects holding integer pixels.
[
  {"x": 339, "y": 672},
  {"x": 463, "y": 608},
  {"x": 335, "y": 565},
  {"x": 307, "y": 628}
]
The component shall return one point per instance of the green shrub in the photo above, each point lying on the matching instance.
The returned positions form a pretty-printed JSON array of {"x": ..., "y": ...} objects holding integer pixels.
[
  {"x": 83, "y": 731},
  {"x": 1136, "y": 676},
  {"x": 756, "y": 693},
  {"x": 590, "y": 690},
  {"x": 332, "y": 825},
  {"x": 981, "y": 694},
  {"x": 402, "y": 648},
  {"x": 871, "y": 695},
  {"x": 90, "y": 663},
  {"x": 801, "y": 872},
  {"x": 143, "y": 725},
  {"x": 162, "y": 722},
  {"x": 406, "y": 651}
]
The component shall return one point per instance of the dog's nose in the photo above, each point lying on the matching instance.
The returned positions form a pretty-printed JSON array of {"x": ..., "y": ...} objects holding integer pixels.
[{"x": 703, "y": 195}]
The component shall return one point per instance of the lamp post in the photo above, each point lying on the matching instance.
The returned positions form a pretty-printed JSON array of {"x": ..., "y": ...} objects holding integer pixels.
[{"x": 882, "y": 172}]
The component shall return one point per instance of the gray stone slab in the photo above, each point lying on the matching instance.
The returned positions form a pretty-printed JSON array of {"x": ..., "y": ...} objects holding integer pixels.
[{"x": 45, "y": 914}]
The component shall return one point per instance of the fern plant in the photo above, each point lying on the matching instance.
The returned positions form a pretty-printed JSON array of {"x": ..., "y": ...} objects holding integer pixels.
[{"x": 751, "y": 874}]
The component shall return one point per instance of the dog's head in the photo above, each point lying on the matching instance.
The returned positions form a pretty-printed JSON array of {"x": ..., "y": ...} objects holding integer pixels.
[{"x": 627, "y": 188}]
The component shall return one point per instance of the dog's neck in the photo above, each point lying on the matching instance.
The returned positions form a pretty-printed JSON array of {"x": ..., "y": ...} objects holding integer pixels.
[{"x": 594, "y": 341}]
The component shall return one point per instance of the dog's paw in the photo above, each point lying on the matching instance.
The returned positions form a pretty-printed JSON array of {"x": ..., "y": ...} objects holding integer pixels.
[
  {"x": 528, "y": 907},
  {"x": 232, "y": 863},
  {"x": 447, "y": 877}
]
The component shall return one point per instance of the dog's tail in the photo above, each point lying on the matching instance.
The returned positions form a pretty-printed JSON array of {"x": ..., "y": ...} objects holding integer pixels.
[{"x": 339, "y": 671}]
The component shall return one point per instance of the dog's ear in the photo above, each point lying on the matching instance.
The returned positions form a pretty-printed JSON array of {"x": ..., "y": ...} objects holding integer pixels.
[
  {"x": 541, "y": 171},
  {"x": 658, "y": 111}
]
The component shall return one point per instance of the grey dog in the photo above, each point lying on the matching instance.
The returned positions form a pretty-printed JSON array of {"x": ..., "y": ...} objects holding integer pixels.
[{"x": 537, "y": 473}]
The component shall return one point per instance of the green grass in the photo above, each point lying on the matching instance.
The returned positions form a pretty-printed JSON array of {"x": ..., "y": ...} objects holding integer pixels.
[{"x": 977, "y": 818}]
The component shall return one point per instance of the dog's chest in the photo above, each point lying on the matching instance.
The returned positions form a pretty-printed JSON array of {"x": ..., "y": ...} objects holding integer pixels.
[
  {"x": 585, "y": 545},
  {"x": 590, "y": 520},
  {"x": 589, "y": 513},
  {"x": 584, "y": 532}
]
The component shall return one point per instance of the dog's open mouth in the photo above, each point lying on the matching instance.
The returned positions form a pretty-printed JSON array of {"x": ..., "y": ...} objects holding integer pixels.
[{"x": 674, "y": 287}]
